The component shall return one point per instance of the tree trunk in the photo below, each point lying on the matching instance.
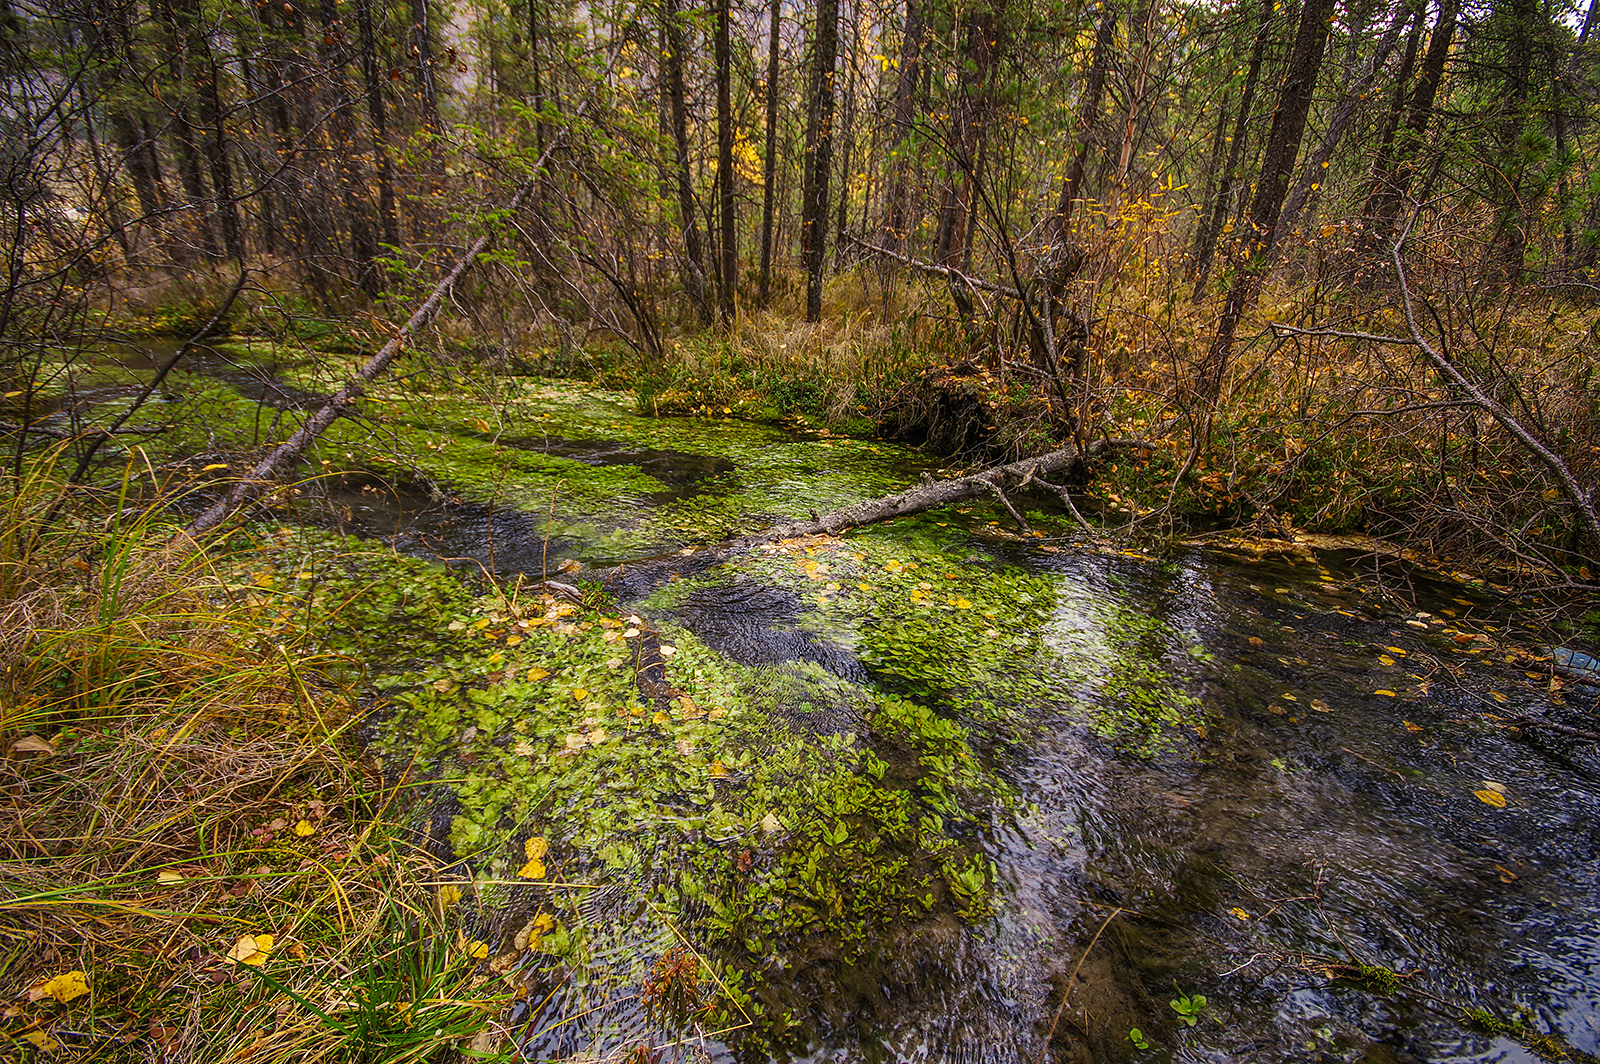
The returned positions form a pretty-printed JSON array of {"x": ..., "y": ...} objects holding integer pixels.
[
  {"x": 1391, "y": 186},
  {"x": 1255, "y": 246},
  {"x": 694, "y": 270},
  {"x": 1205, "y": 237},
  {"x": 729, "y": 272},
  {"x": 378, "y": 117},
  {"x": 422, "y": 51},
  {"x": 897, "y": 222},
  {"x": 1316, "y": 165},
  {"x": 1086, "y": 129},
  {"x": 819, "y": 155},
  {"x": 769, "y": 164}
]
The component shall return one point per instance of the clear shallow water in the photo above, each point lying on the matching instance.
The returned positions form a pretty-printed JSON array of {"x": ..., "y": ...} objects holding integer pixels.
[
  {"x": 1306, "y": 808},
  {"x": 1309, "y": 824}
]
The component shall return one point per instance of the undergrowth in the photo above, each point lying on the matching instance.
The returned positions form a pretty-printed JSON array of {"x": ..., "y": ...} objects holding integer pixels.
[{"x": 196, "y": 864}]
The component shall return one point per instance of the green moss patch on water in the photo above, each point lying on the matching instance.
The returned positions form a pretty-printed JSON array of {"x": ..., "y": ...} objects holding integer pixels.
[{"x": 746, "y": 828}]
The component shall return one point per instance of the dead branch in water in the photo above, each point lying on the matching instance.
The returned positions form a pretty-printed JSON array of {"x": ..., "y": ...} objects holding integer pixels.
[{"x": 926, "y": 496}]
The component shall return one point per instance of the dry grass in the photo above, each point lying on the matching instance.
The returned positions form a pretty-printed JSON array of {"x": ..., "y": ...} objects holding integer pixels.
[{"x": 174, "y": 777}]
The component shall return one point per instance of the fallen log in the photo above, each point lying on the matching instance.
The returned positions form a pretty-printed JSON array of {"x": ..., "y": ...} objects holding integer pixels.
[
  {"x": 260, "y": 479},
  {"x": 632, "y": 578}
]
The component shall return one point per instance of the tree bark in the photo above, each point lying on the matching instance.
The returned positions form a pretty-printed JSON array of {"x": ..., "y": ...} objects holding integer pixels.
[
  {"x": 769, "y": 164},
  {"x": 1277, "y": 166},
  {"x": 694, "y": 269},
  {"x": 1210, "y": 229},
  {"x": 1086, "y": 128},
  {"x": 378, "y": 117},
  {"x": 905, "y": 102},
  {"x": 729, "y": 272},
  {"x": 819, "y": 155},
  {"x": 1392, "y": 185},
  {"x": 1316, "y": 165}
]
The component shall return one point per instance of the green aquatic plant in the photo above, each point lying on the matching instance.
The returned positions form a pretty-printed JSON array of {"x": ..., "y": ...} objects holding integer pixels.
[
  {"x": 1136, "y": 1036},
  {"x": 1188, "y": 1007}
]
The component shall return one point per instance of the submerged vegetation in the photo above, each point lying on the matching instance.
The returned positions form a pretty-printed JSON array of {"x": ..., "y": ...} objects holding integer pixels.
[{"x": 370, "y": 374}]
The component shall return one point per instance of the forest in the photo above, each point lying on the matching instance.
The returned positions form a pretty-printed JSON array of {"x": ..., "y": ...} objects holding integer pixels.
[{"x": 368, "y": 367}]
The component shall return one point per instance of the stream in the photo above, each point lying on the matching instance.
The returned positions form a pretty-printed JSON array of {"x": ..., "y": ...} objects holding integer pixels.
[{"x": 938, "y": 791}]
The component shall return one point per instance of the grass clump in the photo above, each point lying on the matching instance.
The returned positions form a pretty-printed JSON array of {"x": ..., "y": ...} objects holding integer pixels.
[{"x": 196, "y": 864}]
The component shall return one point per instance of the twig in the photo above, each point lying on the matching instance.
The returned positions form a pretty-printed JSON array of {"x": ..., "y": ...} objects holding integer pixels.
[
  {"x": 1570, "y": 487},
  {"x": 1068, "y": 990}
]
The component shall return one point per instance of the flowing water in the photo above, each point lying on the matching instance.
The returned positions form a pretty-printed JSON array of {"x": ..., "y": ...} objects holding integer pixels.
[{"x": 1100, "y": 784}]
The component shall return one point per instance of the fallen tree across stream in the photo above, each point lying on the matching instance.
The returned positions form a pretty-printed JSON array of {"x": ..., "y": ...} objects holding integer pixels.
[{"x": 929, "y": 495}]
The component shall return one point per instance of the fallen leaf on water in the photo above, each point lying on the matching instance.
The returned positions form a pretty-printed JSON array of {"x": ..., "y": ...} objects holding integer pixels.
[
  {"x": 579, "y": 694},
  {"x": 251, "y": 950},
  {"x": 44, "y": 1042},
  {"x": 449, "y": 894},
  {"x": 1497, "y": 696},
  {"x": 1494, "y": 798},
  {"x": 1240, "y": 913},
  {"x": 1494, "y": 785},
  {"x": 167, "y": 877},
  {"x": 477, "y": 949},
  {"x": 1385, "y": 692},
  {"x": 534, "y": 850},
  {"x": 536, "y": 673},
  {"x": 1507, "y": 875},
  {"x": 717, "y": 769},
  {"x": 63, "y": 988},
  {"x": 304, "y": 829},
  {"x": 685, "y": 747},
  {"x": 444, "y": 686},
  {"x": 1396, "y": 651},
  {"x": 1385, "y": 659},
  {"x": 1410, "y": 727},
  {"x": 667, "y": 650},
  {"x": 1255, "y": 640},
  {"x": 770, "y": 824},
  {"x": 1320, "y": 706}
]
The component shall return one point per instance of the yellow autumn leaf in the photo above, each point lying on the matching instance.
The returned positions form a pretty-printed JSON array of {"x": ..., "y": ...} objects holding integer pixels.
[
  {"x": 168, "y": 878},
  {"x": 536, "y": 673},
  {"x": 304, "y": 829},
  {"x": 1240, "y": 913},
  {"x": 477, "y": 949},
  {"x": 536, "y": 847},
  {"x": 213, "y": 466},
  {"x": 63, "y": 988},
  {"x": 717, "y": 770},
  {"x": 251, "y": 950},
  {"x": 1385, "y": 659},
  {"x": 579, "y": 694},
  {"x": 1494, "y": 798},
  {"x": 449, "y": 894},
  {"x": 534, "y": 869},
  {"x": 1383, "y": 691},
  {"x": 961, "y": 603}
]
